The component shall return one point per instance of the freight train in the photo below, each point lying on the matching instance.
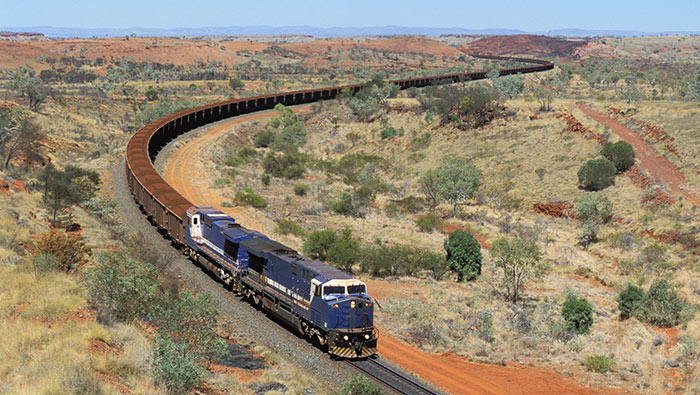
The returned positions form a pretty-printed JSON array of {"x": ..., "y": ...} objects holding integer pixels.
[{"x": 322, "y": 302}]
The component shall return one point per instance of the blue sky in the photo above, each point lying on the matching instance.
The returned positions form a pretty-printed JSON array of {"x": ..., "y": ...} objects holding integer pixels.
[{"x": 644, "y": 15}]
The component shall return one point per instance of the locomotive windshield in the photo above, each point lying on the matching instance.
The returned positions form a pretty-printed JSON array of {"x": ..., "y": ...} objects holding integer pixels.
[
  {"x": 356, "y": 289},
  {"x": 328, "y": 290}
]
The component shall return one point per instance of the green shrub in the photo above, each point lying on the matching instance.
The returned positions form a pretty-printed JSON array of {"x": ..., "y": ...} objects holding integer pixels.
[
  {"x": 661, "y": 305},
  {"x": 389, "y": 133},
  {"x": 244, "y": 155},
  {"x": 411, "y": 204},
  {"x": 264, "y": 138},
  {"x": 192, "y": 321},
  {"x": 597, "y": 174},
  {"x": 120, "y": 287},
  {"x": 248, "y": 197},
  {"x": 341, "y": 250},
  {"x": 578, "y": 314},
  {"x": 287, "y": 226},
  {"x": 592, "y": 209},
  {"x": 370, "y": 187},
  {"x": 382, "y": 260},
  {"x": 287, "y": 165},
  {"x": 301, "y": 189},
  {"x": 428, "y": 222},
  {"x": 463, "y": 255},
  {"x": 628, "y": 301},
  {"x": 621, "y": 154},
  {"x": 265, "y": 179},
  {"x": 343, "y": 204},
  {"x": 598, "y": 363},
  {"x": 174, "y": 367},
  {"x": 517, "y": 258},
  {"x": 351, "y": 166},
  {"x": 360, "y": 385}
]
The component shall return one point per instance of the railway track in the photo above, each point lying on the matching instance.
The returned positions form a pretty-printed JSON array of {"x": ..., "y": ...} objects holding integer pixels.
[
  {"x": 166, "y": 207},
  {"x": 389, "y": 377}
]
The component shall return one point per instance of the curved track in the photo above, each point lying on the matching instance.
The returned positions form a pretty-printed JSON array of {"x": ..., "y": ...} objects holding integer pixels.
[{"x": 166, "y": 207}]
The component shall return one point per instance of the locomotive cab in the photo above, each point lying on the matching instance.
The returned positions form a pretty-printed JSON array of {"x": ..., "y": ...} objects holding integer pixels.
[{"x": 349, "y": 320}]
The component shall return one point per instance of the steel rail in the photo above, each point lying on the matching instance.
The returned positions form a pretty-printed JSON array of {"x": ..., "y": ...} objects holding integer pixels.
[{"x": 396, "y": 381}]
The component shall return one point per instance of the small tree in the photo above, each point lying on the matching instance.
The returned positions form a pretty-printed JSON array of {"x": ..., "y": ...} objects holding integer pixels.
[
  {"x": 327, "y": 245},
  {"x": 517, "y": 258},
  {"x": 628, "y": 301},
  {"x": 544, "y": 97},
  {"x": 428, "y": 184},
  {"x": 630, "y": 94},
  {"x": 597, "y": 174},
  {"x": 120, "y": 287},
  {"x": 578, "y": 314},
  {"x": 18, "y": 135},
  {"x": 456, "y": 181},
  {"x": 621, "y": 154},
  {"x": 463, "y": 255},
  {"x": 592, "y": 209}
]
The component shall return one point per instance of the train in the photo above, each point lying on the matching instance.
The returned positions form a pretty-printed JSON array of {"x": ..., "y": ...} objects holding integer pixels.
[{"x": 320, "y": 301}]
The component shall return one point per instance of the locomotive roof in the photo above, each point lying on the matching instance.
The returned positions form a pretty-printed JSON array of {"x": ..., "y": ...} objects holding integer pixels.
[
  {"x": 258, "y": 246},
  {"x": 236, "y": 232}
]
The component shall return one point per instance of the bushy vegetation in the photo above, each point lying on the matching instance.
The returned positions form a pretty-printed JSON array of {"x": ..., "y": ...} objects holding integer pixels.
[
  {"x": 343, "y": 204},
  {"x": 248, "y": 197},
  {"x": 337, "y": 248},
  {"x": 578, "y": 314},
  {"x": 394, "y": 260},
  {"x": 628, "y": 301},
  {"x": 463, "y": 255},
  {"x": 597, "y": 174},
  {"x": 360, "y": 385},
  {"x": 509, "y": 86},
  {"x": 428, "y": 222},
  {"x": 369, "y": 100},
  {"x": 242, "y": 156},
  {"x": 287, "y": 226},
  {"x": 66, "y": 249},
  {"x": 301, "y": 189},
  {"x": 592, "y": 209},
  {"x": 176, "y": 369},
  {"x": 454, "y": 181},
  {"x": 121, "y": 288},
  {"x": 19, "y": 135},
  {"x": 621, "y": 154},
  {"x": 466, "y": 106},
  {"x": 64, "y": 188},
  {"x": 661, "y": 306},
  {"x": 598, "y": 363},
  {"x": 517, "y": 259},
  {"x": 291, "y": 165}
]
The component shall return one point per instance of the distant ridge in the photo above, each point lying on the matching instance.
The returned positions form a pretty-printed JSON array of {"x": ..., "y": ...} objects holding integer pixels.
[{"x": 67, "y": 32}]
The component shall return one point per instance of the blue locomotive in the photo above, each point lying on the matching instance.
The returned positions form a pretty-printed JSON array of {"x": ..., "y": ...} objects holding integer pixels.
[{"x": 321, "y": 301}]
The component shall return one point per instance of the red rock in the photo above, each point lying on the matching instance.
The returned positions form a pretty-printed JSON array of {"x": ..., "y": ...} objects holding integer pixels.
[
  {"x": 4, "y": 188},
  {"x": 18, "y": 186}
]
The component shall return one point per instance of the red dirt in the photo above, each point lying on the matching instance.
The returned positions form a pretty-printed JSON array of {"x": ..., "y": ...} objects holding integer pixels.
[
  {"x": 4, "y": 188},
  {"x": 99, "y": 347},
  {"x": 656, "y": 165},
  {"x": 554, "y": 209},
  {"x": 574, "y": 126},
  {"x": 456, "y": 375},
  {"x": 18, "y": 186},
  {"x": 524, "y": 44}
]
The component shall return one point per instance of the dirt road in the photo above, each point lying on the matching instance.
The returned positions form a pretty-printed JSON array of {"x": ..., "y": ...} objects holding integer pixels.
[
  {"x": 658, "y": 167},
  {"x": 451, "y": 373}
]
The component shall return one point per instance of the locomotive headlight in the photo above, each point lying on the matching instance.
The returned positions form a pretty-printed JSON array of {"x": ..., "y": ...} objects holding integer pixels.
[
  {"x": 335, "y": 306},
  {"x": 352, "y": 304},
  {"x": 367, "y": 337},
  {"x": 346, "y": 338}
]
